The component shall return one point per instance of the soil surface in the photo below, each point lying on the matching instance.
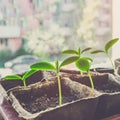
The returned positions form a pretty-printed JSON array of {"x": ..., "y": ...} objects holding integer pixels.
[{"x": 45, "y": 102}]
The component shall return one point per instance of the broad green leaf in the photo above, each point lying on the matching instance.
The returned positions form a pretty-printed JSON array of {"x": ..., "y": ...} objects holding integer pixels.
[
  {"x": 83, "y": 64},
  {"x": 69, "y": 52},
  {"x": 110, "y": 44},
  {"x": 86, "y": 49},
  {"x": 97, "y": 51},
  {"x": 13, "y": 77},
  {"x": 42, "y": 66},
  {"x": 28, "y": 74},
  {"x": 69, "y": 60}
]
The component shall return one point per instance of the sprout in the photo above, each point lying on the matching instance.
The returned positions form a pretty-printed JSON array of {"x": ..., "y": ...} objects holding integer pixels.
[
  {"x": 18, "y": 77},
  {"x": 56, "y": 67},
  {"x": 107, "y": 47},
  {"x": 82, "y": 63}
]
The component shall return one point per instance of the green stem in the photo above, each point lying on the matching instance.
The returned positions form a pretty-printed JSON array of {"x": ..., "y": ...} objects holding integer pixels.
[
  {"x": 59, "y": 89},
  {"x": 24, "y": 83},
  {"x": 91, "y": 81},
  {"x": 94, "y": 69},
  {"x": 81, "y": 73},
  {"x": 111, "y": 61}
]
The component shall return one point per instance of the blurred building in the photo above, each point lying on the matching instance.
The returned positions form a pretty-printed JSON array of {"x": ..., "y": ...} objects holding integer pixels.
[
  {"x": 104, "y": 20},
  {"x": 31, "y": 14},
  {"x": 10, "y": 38}
]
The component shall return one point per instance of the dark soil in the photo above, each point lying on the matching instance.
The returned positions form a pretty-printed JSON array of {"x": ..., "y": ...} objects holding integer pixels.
[
  {"x": 45, "y": 102},
  {"x": 101, "y": 82}
]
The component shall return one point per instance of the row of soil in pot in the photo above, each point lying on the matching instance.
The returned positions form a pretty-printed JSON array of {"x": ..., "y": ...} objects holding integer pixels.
[{"x": 40, "y": 101}]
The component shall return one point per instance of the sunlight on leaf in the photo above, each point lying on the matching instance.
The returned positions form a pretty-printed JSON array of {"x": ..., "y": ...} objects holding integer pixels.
[
  {"x": 13, "y": 77},
  {"x": 69, "y": 52},
  {"x": 42, "y": 66},
  {"x": 97, "y": 51},
  {"x": 110, "y": 44},
  {"x": 86, "y": 49},
  {"x": 28, "y": 74},
  {"x": 69, "y": 60}
]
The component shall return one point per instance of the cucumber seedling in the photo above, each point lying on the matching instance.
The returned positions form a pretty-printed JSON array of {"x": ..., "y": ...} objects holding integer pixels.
[
  {"x": 82, "y": 63},
  {"x": 22, "y": 78},
  {"x": 77, "y": 52},
  {"x": 107, "y": 47},
  {"x": 56, "y": 67}
]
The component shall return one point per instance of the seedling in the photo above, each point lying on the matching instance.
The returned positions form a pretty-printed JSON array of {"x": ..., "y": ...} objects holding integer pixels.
[
  {"x": 107, "y": 47},
  {"x": 56, "y": 67},
  {"x": 78, "y": 52},
  {"x": 18, "y": 77},
  {"x": 84, "y": 64}
]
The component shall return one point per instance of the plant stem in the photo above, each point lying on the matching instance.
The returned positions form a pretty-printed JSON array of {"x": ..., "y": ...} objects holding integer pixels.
[
  {"x": 111, "y": 62},
  {"x": 91, "y": 81},
  {"x": 59, "y": 89},
  {"x": 24, "y": 83},
  {"x": 81, "y": 73}
]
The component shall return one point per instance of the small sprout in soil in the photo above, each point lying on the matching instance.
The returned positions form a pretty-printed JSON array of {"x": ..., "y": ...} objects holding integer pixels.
[
  {"x": 18, "y": 77},
  {"x": 107, "y": 47},
  {"x": 56, "y": 67},
  {"x": 84, "y": 64}
]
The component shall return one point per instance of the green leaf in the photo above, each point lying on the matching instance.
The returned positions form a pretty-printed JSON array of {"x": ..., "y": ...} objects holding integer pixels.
[
  {"x": 87, "y": 58},
  {"x": 13, "y": 77},
  {"x": 83, "y": 64},
  {"x": 42, "y": 66},
  {"x": 110, "y": 44},
  {"x": 69, "y": 60},
  {"x": 28, "y": 74},
  {"x": 69, "y": 52},
  {"x": 97, "y": 51},
  {"x": 86, "y": 49}
]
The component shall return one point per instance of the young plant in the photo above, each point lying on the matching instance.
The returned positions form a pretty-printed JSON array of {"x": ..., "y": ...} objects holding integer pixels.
[
  {"x": 84, "y": 64},
  {"x": 107, "y": 47},
  {"x": 18, "y": 77},
  {"x": 77, "y": 52},
  {"x": 56, "y": 67}
]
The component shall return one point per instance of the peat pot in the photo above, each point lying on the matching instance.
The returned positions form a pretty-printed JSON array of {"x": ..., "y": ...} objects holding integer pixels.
[
  {"x": 7, "y": 85},
  {"x": 40, "y": 101},
  {"x": 108, "y": 85}
]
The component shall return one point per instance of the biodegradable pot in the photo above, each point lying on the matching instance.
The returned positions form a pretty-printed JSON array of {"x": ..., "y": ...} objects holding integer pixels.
[
  {"x": 109, "y": 102},
  {"x": 103, "y": 70},
  {"x": 6, "y": 110},
  {"x": 40, "y": 101},
  {"x": 114, "y": 117},
  {"x": 117, "y": 62},
  {"x": 6, "y": 85}
]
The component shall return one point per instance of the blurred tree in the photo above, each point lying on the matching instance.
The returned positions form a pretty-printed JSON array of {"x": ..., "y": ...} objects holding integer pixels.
[
  {"x": 46, "y": 42},
  {"x": 87, "y": 27}
]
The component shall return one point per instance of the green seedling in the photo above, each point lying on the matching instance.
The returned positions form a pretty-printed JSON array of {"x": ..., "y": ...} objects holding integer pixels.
[
  {"x": 107, "y": 47},
  {"x": 18, "y": 77},
  {"x": 77, "y": 52},
  {"x": 84, "y": 64},
  {"x": 56, "y": 67}
]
